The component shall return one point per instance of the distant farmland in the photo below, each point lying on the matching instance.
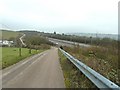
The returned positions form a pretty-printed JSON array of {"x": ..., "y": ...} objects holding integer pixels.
[{"x": 9, "y": 34}]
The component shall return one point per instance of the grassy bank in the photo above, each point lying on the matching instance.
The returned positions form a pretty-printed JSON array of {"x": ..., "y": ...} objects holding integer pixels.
[
  {"x": 73, "y": 77},
  {"x": 10, "y": 55},
  {"x": 101, "y": 59}
]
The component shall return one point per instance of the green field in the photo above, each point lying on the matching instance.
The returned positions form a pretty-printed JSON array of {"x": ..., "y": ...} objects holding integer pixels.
[
  {"x": 10, "y": 55},
  {"x": 9, "y": 34}
]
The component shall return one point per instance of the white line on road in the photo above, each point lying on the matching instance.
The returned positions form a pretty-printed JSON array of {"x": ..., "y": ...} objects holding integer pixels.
[
  {"x": 10, "y": 71},
  {"x": 21, "y": 73}
]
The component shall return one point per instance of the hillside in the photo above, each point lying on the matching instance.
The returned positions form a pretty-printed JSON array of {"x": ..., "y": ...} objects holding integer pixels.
[
  {"x": 98, "y": 35},
  {"x": 5, "y": 34}
]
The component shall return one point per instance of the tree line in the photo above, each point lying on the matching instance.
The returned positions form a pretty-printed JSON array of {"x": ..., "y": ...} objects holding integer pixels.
[{"x": 83, "y": 39}]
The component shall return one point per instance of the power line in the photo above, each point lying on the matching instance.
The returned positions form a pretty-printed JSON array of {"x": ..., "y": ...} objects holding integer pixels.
[{"x": 5, "y": 26}]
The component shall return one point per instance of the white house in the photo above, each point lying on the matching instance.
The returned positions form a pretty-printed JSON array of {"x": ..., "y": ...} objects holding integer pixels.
[{"x": 6, "y": 43}]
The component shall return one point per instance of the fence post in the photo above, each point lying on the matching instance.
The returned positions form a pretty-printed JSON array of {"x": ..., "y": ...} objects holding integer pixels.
[
  {"x": 20, "y": 51},
  {"x": 30, "y": 49}
]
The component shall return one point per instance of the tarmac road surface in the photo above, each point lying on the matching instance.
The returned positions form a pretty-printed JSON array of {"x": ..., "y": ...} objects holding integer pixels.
[{"x": 39, "y": 71}]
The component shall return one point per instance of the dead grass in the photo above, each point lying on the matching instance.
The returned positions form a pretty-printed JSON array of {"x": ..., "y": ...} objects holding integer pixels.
[
  {"x": 73, "y": 77},
  {"x": 101, "y": 59}
]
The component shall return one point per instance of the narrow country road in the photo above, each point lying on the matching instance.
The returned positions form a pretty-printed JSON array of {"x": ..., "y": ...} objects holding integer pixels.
[
  {"x": 22, "y": 40},
  {"x": 39, "y": 71}
]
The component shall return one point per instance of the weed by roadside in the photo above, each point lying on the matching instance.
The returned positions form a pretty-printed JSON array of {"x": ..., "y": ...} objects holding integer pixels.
[
  {"x": 73, "y": 77},
  {"x": 101, "y": 59}
]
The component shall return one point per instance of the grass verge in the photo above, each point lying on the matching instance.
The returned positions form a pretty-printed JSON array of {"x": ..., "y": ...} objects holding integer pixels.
[
  {"x": 73, "y": 77},
  {"x": 104, "y": 60}
]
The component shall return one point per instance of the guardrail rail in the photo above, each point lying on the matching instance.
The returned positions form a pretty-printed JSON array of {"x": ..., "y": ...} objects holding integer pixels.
[{"x": 100, "y": 81}]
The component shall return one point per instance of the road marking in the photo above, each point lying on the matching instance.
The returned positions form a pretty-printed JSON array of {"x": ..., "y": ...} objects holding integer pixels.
[
  {"x": 10, "y": 71},
  {"x": 3, "y": 75},
  {"x": 21, "y": 73},
  {"x": 6, "y": 74},
  {"x": 25, "y": 62}
]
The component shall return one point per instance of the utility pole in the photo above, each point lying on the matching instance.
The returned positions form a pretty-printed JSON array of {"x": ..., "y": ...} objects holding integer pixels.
[
  {"x": 97, "y": 39},
  {"x": 2, "y": 39},
  {"x": 85, "y": 40},
  {"x": 91, "y": 40}
]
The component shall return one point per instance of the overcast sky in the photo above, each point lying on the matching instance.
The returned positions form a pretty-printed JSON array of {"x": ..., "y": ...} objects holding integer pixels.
[{"x": 64, "y": 16}]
